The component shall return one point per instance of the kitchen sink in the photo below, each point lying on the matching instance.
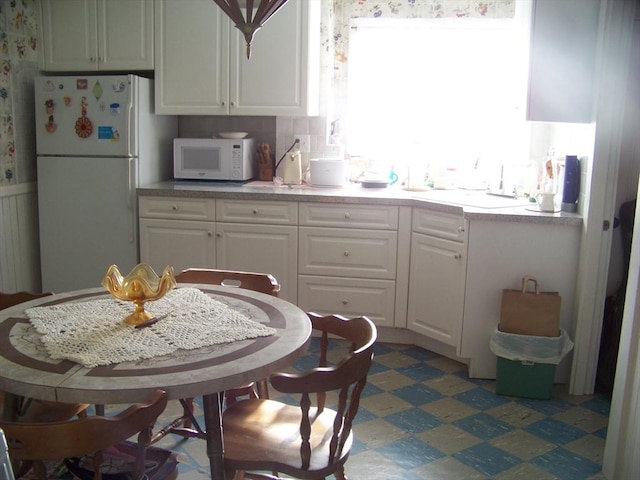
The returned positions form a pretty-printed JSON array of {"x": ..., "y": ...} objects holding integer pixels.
[{"x": 472, "y": 198}]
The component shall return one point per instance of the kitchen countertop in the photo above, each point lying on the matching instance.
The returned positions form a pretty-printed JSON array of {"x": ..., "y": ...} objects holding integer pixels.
[{"x": 474, "y": 205}]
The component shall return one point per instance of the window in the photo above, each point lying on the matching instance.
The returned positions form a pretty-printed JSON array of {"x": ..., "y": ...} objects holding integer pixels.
[{"x": 446, "y": 92}]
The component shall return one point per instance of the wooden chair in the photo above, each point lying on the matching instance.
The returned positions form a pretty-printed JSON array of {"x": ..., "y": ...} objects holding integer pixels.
[
  {"x": 38, "y": 442},
  {"x": 32, "y": 410},
  {"x": 306, "y": 441},
  {"x": 10, "y": 299},
  {"x": 259, "y": 282}
]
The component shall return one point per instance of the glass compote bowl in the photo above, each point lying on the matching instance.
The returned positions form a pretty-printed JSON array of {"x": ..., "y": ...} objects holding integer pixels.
[{"x": 140, "y": 286}]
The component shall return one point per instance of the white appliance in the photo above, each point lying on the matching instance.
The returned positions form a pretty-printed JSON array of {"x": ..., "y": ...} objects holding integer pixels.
[
  {"x": 214, "y": 159},
  {"x": 327, "y": 172},
  {"x": 97, "y": 139}
]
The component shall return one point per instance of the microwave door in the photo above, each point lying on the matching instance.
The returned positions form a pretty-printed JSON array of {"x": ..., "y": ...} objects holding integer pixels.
[{"x": 202, "y": 162}]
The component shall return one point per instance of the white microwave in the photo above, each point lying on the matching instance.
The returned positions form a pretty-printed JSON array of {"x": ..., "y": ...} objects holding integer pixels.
[{"x": 214, "y": 159}]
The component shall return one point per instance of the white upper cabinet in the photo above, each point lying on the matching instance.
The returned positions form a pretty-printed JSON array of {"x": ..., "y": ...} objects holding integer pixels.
[
  {"x": 97, "y": 35},
  {"x": 202, "y": 68},
  {"x": 562, "y": 60}
]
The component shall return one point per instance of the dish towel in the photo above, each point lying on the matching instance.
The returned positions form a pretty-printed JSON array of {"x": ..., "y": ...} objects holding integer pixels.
[{"x": 93, "y": 333}]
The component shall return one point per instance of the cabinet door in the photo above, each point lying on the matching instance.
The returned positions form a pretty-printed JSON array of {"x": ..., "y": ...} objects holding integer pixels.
[
  {"x": 180, "y": 243},
  {"x": 562, "y": 60},
  {"x": 261, "y": 248},
  {"x": 125, "y": 34},
  {"x": 436, "y": 288},
  {"x": 282, "y": 75},
  {"x": 69, "y": 29},
  {"x": 192, "y": 46}
]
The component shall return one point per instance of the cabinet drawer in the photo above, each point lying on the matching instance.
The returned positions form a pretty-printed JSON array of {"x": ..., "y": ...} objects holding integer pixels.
[
  {"x": 348, "y": 253},
  {"x": 177, "y": 208},
  {"x": 354, "y": 216},
  {"x": 351, "y": 297},
  {"x": 441, "y": 225},
  {"x": 252, "y": 211}
]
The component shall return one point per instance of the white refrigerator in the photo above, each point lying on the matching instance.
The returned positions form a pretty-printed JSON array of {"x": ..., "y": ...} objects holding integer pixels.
[{"x": 97, "y": 139}]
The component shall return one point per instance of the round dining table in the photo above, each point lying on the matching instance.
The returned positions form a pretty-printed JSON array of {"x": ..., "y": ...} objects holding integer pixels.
[{"x": 27, "y": 370}]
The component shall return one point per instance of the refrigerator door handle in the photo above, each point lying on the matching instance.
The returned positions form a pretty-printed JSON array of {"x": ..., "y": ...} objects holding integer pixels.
[
  {"x": 130, "y": 199},
  {"x": 131, "y": 124}
]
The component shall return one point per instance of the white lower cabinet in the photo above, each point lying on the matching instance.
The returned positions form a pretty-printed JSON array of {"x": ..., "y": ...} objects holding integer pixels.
[
  {"x": 177, "y": 231},
  {"x": 180, "y": 243},
  {"x": 260, "y": 248},
  {"x": 259, "y": 236},
  {"x": 347, "y": 260},
  {"x": 437, "y": 276},
  {"x": 351, "y": 297}
]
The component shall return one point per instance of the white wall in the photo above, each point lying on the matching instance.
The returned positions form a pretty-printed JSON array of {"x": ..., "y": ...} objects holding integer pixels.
[{"x": 20, "y": 254}]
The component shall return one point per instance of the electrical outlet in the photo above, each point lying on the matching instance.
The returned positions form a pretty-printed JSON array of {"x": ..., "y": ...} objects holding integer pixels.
[{"x": 305, "y": 143}]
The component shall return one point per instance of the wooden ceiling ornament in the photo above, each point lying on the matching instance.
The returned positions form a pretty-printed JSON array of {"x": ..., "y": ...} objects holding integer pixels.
[{"x": 250, "y": 24}]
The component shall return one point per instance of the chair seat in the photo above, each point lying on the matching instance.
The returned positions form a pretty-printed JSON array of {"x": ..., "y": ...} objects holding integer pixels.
[{"x": 275, "y": 427}]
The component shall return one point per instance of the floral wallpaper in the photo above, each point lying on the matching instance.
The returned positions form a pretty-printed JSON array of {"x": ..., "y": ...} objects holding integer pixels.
[
  {"x": 18, "y": 50},
  {"x": 337, "y": 15}
]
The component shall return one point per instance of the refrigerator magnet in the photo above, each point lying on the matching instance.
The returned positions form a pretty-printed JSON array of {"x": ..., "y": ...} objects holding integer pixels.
[
  {"x": 108, "y": 133},
  {"x": 67, "y": 101},
  {"x": 50, "y": 126},
  {"x": 84, "y": 127},
  {"x": 97, "y": 90},
  {"x": 115, "y": 108},
  {"x": 118, "y": 85}
]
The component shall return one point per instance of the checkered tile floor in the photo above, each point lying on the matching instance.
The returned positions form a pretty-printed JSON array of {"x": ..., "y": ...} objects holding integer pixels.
[{"x": 422, "y": 418}]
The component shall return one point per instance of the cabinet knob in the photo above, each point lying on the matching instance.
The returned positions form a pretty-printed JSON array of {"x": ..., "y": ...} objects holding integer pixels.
[
  {"x": 255, "y": 211},
  {"x": 210, "y": 234},
  {"x": 347, "y": 215},
  {"x": 457, "y": 256},
  {"x": 346, "y": 253},
  {"x": 233, "y": 104},
  {"x": 345, "y": 301},
  {"x": 92, "y": 59},
  {"x": 218, "y": 234},
  {"x": 174, "y": 207},
  {"x": 461, "y": 229},
  {"x": 223, "y": 103}
]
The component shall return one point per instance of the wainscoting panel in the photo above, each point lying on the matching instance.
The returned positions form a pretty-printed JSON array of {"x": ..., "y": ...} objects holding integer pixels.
[{"x": 19, "y": 247}]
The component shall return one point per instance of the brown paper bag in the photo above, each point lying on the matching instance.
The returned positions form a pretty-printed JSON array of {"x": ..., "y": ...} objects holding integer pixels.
[{"x": 530, "y": 312}]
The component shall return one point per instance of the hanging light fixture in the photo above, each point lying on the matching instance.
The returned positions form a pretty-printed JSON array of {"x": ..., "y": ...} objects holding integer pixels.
[{"x": 250, "y": 24}]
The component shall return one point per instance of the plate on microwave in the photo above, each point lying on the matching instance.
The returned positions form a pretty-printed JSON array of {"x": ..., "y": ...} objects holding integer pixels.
[{"x": 233, "y": 135}]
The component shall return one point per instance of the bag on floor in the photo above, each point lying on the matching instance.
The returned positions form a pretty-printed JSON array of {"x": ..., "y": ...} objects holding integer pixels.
[{"x": 530, "y": 312}]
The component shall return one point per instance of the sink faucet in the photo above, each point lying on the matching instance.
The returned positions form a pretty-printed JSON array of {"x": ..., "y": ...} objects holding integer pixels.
[{"x": 501, "y": 190}]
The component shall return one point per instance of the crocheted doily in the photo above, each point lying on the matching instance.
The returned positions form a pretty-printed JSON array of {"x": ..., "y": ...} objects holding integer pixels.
[{"x": 93, "y": 333}]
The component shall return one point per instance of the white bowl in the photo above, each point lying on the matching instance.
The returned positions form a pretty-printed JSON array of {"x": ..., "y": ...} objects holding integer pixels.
[{"x": 233, "y": 135}]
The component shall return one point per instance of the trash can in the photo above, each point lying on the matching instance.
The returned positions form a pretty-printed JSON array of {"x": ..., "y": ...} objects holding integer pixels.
[{"x": 526, "y": 364}]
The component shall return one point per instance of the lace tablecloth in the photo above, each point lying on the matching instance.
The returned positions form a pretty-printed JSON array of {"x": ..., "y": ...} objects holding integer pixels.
[{"x": 93, "y": 333}]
